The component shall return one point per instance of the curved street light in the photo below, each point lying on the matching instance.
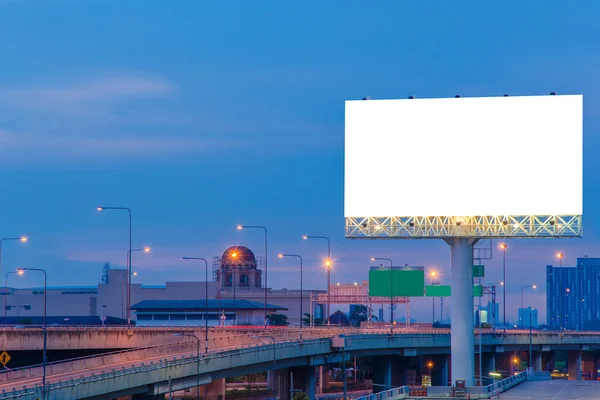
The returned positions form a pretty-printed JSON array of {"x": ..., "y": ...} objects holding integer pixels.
[
  {"x": 522, "y": 312},
  {"x": 205, "y": 297},
  {"x": 240, "y": 227},
  {"x": 328, "y": 267},
  {"x": 20, "y": 271},
  {"x": 128, "y": 259},
  {"x": 301, "y": 292}
]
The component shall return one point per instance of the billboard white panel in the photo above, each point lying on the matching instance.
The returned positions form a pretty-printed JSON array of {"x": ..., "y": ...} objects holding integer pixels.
[{"x": 464, "y": 156}]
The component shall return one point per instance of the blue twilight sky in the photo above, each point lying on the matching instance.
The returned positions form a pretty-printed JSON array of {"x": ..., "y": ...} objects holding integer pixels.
[{"x": 200, "y": 115}]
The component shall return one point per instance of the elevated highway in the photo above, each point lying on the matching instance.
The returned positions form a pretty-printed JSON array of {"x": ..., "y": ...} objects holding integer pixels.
[
  {"x": 100, "y": 338},
  {"x": 158, "y": 370}
]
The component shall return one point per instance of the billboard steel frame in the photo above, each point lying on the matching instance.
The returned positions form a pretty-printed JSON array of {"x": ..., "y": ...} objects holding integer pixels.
[{"x": 480, "y": 227}]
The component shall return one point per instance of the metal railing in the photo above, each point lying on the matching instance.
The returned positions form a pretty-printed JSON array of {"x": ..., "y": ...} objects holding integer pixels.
[
  {"x": 161, "y": 364},
  {"x": 505, "y": 384},
  {"x": 398, "y": 392},
  {"x": 79, "y": 363}
]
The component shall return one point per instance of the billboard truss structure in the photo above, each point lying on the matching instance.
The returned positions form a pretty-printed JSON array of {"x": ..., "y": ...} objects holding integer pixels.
[{"x": 504, "y": 226}]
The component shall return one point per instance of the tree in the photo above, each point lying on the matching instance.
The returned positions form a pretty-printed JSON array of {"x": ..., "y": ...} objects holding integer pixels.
[
  {"x": 278, "y": 320},
  {"x": 359, "y": 314}
]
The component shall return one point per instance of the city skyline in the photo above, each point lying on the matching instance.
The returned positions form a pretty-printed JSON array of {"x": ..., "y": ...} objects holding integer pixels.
[{"x": 165, "y": 122}]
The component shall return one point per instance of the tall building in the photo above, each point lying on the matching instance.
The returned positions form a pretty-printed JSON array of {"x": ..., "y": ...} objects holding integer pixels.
[
  {"x": 528, "y": 316},
  {"x": 488, "y": 313},
  {"x": 573, "y": 295}
]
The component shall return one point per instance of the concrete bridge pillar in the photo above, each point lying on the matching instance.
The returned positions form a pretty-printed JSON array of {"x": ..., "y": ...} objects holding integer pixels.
[
  {"x": 281, "y": 383},
  {"x": 489, "y": 365},
  {"x": 214, "y": 390},
  {"x": 303, "y": 379},
  {"x": 444, "y": 370},
  {"x": 537, "y": 361},
  {"x": 574, "y": 365},
  {"x": 439, "y": 372},
  {"x": 382, "y": 373},
  {"x": 504, "y": 362},
  {"x": 548, "y": 360}
]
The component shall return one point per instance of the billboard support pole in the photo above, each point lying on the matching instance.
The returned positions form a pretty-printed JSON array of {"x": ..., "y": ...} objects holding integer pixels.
[{"x": 462, "y": 341}]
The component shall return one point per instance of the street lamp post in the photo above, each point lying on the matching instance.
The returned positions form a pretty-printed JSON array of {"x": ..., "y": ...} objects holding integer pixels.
[
  {"x": 145, "y": 249},
  {"x": 328, "y": 266},
  {"x": 503, "y": 246},
  {"x": 205, "y": 297},
  {"x": 433, "y": 274},
  {"x": 562, "y": 290},
  {"x": 301, "y": 292},
  {"x": 530, "y": 343},
  {"x": 123, "y": 292},
  {"x": 492, "y": 286},
  {"x": 129, "y": 260},
  {"x": 521, "y": 322},
  {"x": 6, "y": 291},
  {"x": 391, "y": 289},
  {"x": 240, "y": 227},
  {"x": 430, "y": 366},
  {"x": 197, "y": 360},
  {"x": 20, "y": 271}
]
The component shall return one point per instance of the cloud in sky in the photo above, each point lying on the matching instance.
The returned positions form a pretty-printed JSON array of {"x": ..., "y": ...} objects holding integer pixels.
[
  {"x": 74, "y": 98},
  {"x": 141, "y": 116},
  {"x": 85, "y": 121}
]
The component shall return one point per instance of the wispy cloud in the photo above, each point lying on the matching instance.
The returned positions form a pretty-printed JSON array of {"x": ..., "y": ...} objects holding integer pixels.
[
  {"x": 74, "y": 98},
  {"x": 21, "y": 146},
  {"x": 144, "y": 117},
  {"x": 86, "y": 121}
]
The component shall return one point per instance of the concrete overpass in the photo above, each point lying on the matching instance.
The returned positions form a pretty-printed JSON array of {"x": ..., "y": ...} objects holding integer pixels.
[
  {"x": 98, "y": 337},
  {"x": 155, "y": 371}
]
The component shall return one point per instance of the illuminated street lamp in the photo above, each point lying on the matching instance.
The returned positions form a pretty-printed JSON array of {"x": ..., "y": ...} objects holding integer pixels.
[
  {"x": 197, "y": 360},
  {"x": 20, "y": 271},
  {"x": 503, "y": 246},
  {"x": 22, "y": 239},
  {"x": 240, "y": 227},
  {"x": 233, "y": 278},
  {"x": 560, "y": 257},
  {"x": 522, "y": 288},
  {"x": 433, "y": 274},
  {"x": 128, "y": 259},
  {"x": 6, "y": 290},
  {"x": 123, "y": 292},
  {"x": 205, "y": 297},
  {"x": 145, "y": 249},
  {"x": 328, "y": 267},
  {"x": 430, "y": 366},
  {"x": 391, "y": 289},
  {"x": 301, "y": 297}
]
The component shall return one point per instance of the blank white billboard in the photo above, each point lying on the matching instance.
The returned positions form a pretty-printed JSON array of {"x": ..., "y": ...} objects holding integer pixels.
[{"x": 489, "y": 156}]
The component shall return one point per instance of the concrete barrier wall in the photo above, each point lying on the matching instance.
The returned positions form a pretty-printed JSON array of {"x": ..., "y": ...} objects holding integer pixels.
[
  {"x": 224, "y": 339},
  {"x": 62, "y": 338}
]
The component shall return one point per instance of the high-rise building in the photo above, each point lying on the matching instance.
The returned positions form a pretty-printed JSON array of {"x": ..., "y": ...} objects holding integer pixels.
[
  {"x": 528, "y": 316},
  {"x": 573, "y": 295},
  {"x": 488, "y": 313}
]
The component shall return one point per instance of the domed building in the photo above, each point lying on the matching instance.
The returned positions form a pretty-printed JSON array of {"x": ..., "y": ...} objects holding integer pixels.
[{"x": 238, "y": 268}]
